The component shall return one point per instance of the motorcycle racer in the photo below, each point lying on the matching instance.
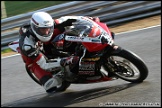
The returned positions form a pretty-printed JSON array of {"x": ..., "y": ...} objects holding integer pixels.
[{"x": 36, "y": 48}]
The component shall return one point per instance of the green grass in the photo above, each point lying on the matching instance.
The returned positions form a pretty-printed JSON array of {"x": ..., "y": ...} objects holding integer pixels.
[
  {"x": 6, "y": 51},
  {"x": 19, "y": 7}
]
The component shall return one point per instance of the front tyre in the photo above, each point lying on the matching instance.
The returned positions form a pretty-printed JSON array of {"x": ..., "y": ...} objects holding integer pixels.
[{"x": 129, "y": 66}]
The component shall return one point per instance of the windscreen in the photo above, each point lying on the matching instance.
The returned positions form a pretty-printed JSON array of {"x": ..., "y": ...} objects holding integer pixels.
[{"x": 79, "y": 28}]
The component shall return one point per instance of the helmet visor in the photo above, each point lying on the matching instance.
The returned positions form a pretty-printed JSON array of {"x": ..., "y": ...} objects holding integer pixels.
[{"x": 43, "y": 31}]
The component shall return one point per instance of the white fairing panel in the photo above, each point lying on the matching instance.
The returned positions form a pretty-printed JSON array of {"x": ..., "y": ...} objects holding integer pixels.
[{"x": 14, "y": 45}]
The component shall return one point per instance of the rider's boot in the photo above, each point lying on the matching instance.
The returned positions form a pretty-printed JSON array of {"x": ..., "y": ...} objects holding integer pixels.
[{"x": 51, "y": 84}]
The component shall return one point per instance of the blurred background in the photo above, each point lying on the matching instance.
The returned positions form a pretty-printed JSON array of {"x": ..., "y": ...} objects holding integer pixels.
[{"x": 12, "y": 8}]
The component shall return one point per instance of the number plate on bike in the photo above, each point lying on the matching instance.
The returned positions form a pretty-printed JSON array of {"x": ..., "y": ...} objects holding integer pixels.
[{"x": 87, "y": 68}]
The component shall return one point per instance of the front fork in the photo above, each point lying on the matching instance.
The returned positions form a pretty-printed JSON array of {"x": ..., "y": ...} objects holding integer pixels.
[
  {"x": 108, "y": 62},
  {"x": 84, "y": 52}
]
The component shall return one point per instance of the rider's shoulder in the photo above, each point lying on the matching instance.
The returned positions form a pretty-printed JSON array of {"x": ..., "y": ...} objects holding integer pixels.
[
  {"x": 24, "y": 28},
  {"x": 25, "y": 25},
  {"x": 57, "y": 21}
]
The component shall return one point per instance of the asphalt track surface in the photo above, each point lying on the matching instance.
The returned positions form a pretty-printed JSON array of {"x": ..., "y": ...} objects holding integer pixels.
[{"x": 19, "y": 90}]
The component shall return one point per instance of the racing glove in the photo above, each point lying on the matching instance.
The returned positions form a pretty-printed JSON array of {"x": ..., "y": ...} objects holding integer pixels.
[
  {"x": 68, "y": 22},
  {"x": 64, "y": 24}
]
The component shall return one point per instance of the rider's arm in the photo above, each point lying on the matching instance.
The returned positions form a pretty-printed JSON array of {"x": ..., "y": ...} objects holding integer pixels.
[
  {"x": 29, "y": 49},
  {"x": 64, "y": 24}
]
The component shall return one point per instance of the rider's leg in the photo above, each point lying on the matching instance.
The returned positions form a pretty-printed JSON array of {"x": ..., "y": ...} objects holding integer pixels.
[
  {"x": 69, "y": 63},
  {"x": 46, "y": 79}
]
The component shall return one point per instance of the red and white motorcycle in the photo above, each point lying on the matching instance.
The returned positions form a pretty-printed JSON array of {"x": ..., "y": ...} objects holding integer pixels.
[{"x": 100, "y": 59}]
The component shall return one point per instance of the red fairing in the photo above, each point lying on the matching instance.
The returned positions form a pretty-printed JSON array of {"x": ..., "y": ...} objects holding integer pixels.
[{"x": 93, "y": 47}]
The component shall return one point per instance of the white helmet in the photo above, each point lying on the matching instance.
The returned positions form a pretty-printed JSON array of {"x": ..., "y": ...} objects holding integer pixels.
[{"x": 42, "y": 21}]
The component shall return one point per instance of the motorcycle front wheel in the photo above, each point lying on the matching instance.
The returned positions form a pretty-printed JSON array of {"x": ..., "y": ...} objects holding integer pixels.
[{"x": 127, "y": 66}]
